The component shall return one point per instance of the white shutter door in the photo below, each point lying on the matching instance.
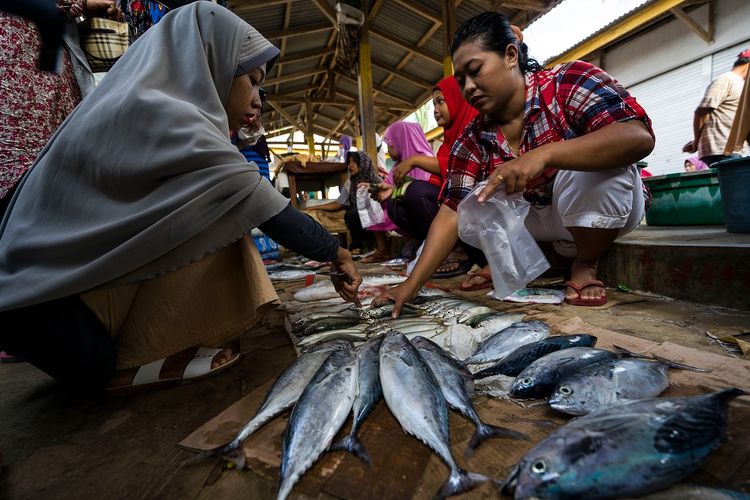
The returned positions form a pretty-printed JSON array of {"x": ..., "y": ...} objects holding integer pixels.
[{"x": 670, "y": 100}]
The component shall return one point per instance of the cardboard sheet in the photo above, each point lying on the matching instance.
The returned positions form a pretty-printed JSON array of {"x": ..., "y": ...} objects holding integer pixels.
[{"x": 404, "y": 468}]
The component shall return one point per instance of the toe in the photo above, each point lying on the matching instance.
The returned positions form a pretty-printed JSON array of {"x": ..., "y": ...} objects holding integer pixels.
[{"x": 222, "y": 358}]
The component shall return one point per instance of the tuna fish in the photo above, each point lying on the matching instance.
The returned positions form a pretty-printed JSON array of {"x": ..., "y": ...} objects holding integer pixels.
[
  {"x": 515, "y": 362},
  {"x": 282, "y": 395},
  {"x": 457, "y": 385},
  {"x": 507, "y": 340},
  {"x": 625, "y": 450},
  {"x": 416, "y": 401},
  {"x": 612, "y": 382},
  {"x": 318, "y": 415},
  {"x": 369, "y": 393}
]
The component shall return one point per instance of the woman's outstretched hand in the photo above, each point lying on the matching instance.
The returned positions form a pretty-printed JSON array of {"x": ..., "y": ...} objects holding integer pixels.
[
  {"x": 347, "y": 283},
  {"x": 399, "y": 295}
]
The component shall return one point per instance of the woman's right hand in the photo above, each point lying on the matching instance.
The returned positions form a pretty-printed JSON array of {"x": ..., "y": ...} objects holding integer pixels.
[
  {"x": 399, "y": 295},
  {"x": 346, "y": 285},
  {"x": 400, "y": 170}
]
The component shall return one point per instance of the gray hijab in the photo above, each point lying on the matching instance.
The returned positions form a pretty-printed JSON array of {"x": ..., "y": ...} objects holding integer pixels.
[{"x": 141, "y": 179}]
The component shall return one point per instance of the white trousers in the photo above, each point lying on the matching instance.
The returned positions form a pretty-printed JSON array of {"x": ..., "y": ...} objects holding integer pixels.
[{"x": 609, "y": 199}]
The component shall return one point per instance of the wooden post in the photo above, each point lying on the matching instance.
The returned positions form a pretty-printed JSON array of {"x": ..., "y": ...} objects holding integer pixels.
[
  {"x": 366, "y": 97},
  {"x": 449, "y": 29},
  {"x": 309, "y": 131}
]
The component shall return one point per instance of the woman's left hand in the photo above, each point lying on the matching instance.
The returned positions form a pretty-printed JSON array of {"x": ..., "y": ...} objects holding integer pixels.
[
  {"x": 104, "y": 6},
  {"x": 348, "y": 283},
  {"x": 515, "y": 174}
]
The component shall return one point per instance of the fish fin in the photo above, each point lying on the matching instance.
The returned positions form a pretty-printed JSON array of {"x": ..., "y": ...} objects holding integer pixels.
[
  {"x": 508, "y": 487},
  {"x": 232, "y": 453},
  {"x": 353, "y": 445},
  {"x": 629, "y": 354},
  {"x": 486, "y": 431},
  {"x": 679, "y": 366},
  {"x": 487, "y": 372},
  {"x": 460, "y": 481}
]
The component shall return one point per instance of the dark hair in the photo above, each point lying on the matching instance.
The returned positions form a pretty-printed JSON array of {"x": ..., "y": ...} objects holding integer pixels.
[
  {"x": 740, "y": 61},
  {"x": 492, "y": 32},
  {"x": 355, "y": 155}
]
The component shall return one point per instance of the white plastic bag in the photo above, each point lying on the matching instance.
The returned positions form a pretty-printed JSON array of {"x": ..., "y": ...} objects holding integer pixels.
[
  {"x": 497, "y": 227},
  {"x": 370, "y": 211}
]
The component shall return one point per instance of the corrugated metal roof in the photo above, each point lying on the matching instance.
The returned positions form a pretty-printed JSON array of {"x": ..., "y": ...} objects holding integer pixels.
[{"x": 406, "y": 38}]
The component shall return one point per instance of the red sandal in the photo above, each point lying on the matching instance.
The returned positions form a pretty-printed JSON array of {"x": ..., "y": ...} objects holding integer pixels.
[{"x": 586, "y": 302}]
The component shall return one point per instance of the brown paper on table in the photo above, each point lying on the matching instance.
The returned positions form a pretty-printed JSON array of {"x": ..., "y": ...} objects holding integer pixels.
[
  {"x": 402, "y": 467},
  {"x": 740, "y": 131}
]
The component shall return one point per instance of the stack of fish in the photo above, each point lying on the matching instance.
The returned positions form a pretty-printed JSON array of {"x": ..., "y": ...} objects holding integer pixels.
[{"x": 418, "y": 380}]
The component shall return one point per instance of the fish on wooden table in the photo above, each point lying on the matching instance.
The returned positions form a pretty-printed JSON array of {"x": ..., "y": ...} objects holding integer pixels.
[
  {"x": 625, "y": 450},
  {"x": 457, "y": 385},
  {"x": 369, "y": 393},
  {"x": 515, "y": 362},
  {"x": 283, "y": 394},
  {"x": 317, "y": 416},
  {"x": 613, "y": 382},
  {"x": 414, "y": 397},
  {"x": 507, "y": 340}
]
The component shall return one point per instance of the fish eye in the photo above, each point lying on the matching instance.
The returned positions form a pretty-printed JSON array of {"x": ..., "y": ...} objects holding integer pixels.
[
  {"x": 526, "y": 381},
  {"x": 539, "y": 466},
  {"x": 566, "y": 390}
]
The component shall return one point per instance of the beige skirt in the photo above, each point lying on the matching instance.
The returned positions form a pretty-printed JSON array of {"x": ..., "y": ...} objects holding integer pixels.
[{"x": 206, "y": 303}]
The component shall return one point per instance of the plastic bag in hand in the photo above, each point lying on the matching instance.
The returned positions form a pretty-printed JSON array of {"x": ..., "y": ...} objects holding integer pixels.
[
  {"x": 497, "y": 227},
  {"x": 370, "y": 211}
]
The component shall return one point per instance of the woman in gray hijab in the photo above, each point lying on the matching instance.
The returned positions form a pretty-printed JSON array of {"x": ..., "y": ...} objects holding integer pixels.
[{"x": 126, "y": 245}]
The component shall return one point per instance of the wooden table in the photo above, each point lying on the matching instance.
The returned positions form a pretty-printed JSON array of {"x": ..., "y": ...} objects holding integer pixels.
[{"x": 313, "y": 176}]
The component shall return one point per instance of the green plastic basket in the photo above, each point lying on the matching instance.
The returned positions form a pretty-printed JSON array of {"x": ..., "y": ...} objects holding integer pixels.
[{"x": 685, "y": 199}]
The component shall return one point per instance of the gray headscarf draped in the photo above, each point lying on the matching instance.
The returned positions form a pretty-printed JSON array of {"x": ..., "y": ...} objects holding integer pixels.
[{"x": 141, "y": 179}]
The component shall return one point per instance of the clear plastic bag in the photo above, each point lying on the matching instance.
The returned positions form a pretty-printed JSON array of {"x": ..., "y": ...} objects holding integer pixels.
[
  {"x": 370, "y": 211},
  {"x": 497, "y": 227}
]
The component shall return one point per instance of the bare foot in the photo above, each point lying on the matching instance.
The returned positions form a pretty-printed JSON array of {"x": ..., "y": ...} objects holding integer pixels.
[
  {"x": 173, "y": 366},
  {"x": 376, "y": 257},
  {"x": 477, "y": 278},
  {"x": 579, "y": 274},
  {"x": 452, "y": 262}
]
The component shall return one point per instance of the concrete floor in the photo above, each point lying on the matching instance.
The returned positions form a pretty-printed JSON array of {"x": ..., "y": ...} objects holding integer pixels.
[{"x": 56, "y": 444}]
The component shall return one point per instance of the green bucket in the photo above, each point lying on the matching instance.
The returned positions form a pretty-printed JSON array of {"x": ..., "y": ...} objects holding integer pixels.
[
  {"x": 734, "y": 178},
  {"x": 685, "y": 199}
]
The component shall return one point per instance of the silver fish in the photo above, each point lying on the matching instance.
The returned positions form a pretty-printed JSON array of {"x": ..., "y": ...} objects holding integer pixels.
[
  {"x": 318, "y": 415},
  {"x": 497, "y": 322},
  {"x": 353, "y": 334},
  {"x": 369, "y": 393},
  {"x": 457, "y": 385},
  {"x": 540, "y": 377},
  {"x": 507, "y": 340},
  {"x": 282, "y": 395},
  {"x": 612, "y": 382},
  {"x": 414, "y": 397},
  {"x": 625, "y": 450}
]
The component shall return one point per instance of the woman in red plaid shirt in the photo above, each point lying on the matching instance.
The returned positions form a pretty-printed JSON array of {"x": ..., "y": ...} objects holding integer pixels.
[{"x": 567, "y": 138}]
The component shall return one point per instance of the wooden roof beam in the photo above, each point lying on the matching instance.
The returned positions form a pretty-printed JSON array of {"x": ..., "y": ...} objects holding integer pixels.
[
  {"x": 414, "y": 49},
  {"x": 300, "y": 100},
  {"x": 258, "y": 4},
  {"x": 706, "y": 34},
  {"x": 293, "y": 76},
  {"x": 327, "y": 11},
  {"x": 297, "y": 31},
  {"x": 435, "y": 18},
  {"x": 404, "y": 76},
  {"x": 303, "y": 56},
  {"x": 382, "y": 91},
  {"x": 286, "y": 115},
  {"x": 526, "y": 5}
]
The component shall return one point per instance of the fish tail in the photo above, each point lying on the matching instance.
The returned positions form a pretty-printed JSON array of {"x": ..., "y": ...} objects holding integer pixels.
[
  {"x": 679, "y": 366},
  {"x": 232, "y": 453},
  {"x": 487, "y": 372},
  {"x": 460, "y": 481},
  {"x": 353, "y": 445},
  {"x": 729, "y": 394},
  {"x": 486, "y": 431}
]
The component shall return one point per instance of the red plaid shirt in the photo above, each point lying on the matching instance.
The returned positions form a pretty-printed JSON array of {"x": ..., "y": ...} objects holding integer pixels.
[{"x": 568, "y": 101}]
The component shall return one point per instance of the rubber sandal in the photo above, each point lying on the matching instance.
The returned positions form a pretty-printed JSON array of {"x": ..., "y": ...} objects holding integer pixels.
[
  {"x": 487, "y": 283},
  {"x": 463, "y": 266},
  {"x": 8, "y": 358},
  {"x": 584, "y": 302},
  {"x": 199, "y": 368},
  {"x": 375, "y": 258}
]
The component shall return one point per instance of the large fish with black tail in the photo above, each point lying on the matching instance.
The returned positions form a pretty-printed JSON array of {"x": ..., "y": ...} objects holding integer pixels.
[
  {"x": 318, "y": 415},
  {"x": 457, "y": 385},
  {"x": 282, "y": 395},
  {"x": 369, "y": 393},
  {"x": 613, "y": 382},
  {"x": 414, "y": 397},
  {"x": 541, "y": 377},
  {"x": 515, "y": 362},
  {"x": 507, "y": 340},
  {"x": 624, "y": 450}
]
